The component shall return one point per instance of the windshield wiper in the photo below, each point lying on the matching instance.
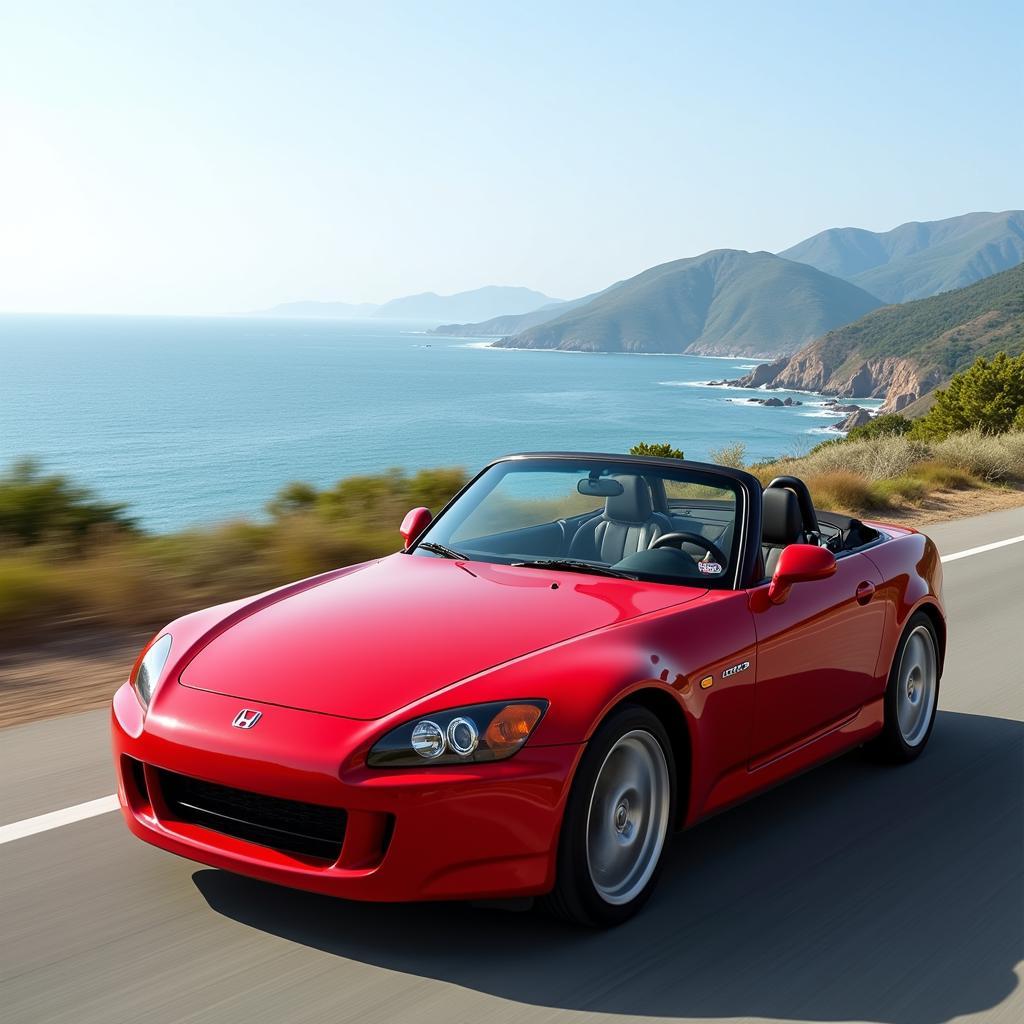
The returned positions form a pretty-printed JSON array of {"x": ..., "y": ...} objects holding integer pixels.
[
  {"x": 443, "y": 550},
  {"x": 573, "y": 565}
]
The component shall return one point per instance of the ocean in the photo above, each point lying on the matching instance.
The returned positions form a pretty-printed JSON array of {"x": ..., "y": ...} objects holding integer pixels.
[{"x": 191, "y": 420}]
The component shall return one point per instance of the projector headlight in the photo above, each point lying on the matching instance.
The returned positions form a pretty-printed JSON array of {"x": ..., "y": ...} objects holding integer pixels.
[
  {"x": 148, "y": 668},
  {"x": 483, "y": 732}
]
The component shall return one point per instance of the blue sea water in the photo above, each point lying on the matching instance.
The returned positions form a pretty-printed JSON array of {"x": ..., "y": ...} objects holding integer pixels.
[{"x": 192, "y": 420}]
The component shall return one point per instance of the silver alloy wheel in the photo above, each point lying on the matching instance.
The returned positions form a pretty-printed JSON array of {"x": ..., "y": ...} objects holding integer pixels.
[
  {"x": 627, "y": 820},
  {"x": 916, "y": 686}
]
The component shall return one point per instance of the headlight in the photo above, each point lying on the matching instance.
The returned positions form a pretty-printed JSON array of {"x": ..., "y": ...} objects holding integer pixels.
[
  {"x": 148, "y": 668},
  {"x": 483, "y": 732}
]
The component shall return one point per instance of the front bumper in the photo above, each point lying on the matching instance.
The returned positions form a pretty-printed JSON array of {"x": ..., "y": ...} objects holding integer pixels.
[{"x": 461, "y": 832}]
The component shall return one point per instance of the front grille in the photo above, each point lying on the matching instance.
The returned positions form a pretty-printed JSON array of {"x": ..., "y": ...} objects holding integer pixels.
[{"x": 287, "y": 825}]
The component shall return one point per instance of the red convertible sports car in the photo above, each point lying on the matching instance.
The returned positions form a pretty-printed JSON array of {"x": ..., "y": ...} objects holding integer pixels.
[{"x": 579, "y": 655}]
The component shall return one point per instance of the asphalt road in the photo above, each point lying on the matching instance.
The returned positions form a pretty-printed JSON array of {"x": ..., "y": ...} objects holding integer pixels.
[{"x": 855, "y": 893}]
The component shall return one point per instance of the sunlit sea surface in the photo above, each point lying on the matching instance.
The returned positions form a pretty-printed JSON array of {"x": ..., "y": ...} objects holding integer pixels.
[{"x": 192, "y": 420}]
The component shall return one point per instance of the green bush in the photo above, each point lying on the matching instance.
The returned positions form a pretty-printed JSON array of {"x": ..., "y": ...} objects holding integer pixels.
[
  {"x": 890, "y": 424},
  {"x": 657, "y": 450}
]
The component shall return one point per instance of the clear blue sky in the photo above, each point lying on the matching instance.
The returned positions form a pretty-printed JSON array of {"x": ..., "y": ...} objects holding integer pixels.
[{"x": 215, "y": 156}]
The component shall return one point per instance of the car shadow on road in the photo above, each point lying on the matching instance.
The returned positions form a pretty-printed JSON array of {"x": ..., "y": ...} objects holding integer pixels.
[{"x": 857, "y": 892}]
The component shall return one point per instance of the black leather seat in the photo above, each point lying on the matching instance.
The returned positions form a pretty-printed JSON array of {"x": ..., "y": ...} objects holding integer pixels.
[
  {"x": 782, "y": 523},
  {"x": 628, "y": 524}
]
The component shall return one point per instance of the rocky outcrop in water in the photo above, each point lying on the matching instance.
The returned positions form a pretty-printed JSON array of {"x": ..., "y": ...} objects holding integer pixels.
[{"x": 855, "y": 419}]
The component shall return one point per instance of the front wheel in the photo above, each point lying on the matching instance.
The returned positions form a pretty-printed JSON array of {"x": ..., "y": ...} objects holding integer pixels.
[
  {"x": 912, "y": 694},
  {"x": 617, "y": 820}
]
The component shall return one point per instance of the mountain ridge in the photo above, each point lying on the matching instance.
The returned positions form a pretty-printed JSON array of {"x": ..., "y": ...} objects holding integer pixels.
[
  {"x": 723, "y": 302},
  {"x": 919, "y": 258}
]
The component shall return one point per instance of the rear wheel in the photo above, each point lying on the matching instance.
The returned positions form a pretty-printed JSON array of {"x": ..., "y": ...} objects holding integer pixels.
[
  {"x": 617, "y": 821},
  {"x": 912, "y": 694}
]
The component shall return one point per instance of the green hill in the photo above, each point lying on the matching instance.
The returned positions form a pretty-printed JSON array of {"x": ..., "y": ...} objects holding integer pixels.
[
  {"x": 902, "y": 352},
  {"x": 917, "y": 260},
  {"x": 726, "y": 302}
]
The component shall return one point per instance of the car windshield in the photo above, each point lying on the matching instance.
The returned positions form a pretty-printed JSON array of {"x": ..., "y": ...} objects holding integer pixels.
[{"x": 601, "y": 517}]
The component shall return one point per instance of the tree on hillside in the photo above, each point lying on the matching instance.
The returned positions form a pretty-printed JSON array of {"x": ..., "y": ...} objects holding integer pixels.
[
  {"x": 988, "y": 396},
  {"x": 657, "y": 450}
]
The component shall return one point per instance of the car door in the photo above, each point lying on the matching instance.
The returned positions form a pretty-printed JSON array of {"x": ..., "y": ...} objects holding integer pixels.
[{"x": 817, "y": 654}]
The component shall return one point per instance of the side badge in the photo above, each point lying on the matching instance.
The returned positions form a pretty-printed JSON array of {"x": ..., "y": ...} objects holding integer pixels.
[{"x": 741, "y": 667}]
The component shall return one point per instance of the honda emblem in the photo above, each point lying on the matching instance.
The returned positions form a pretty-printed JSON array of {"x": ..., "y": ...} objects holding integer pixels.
[{"x": 246, "y": 718}]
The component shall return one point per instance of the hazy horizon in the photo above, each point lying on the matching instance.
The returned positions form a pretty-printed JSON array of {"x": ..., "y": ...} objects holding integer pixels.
[{"x": 224, "y": 159}]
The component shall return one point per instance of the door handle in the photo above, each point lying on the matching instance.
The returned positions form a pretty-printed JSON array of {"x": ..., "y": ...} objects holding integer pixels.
[{"x": 865, "y": 591}]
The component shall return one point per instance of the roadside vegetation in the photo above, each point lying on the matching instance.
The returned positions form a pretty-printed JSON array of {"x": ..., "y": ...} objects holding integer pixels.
[{"x": 68, "y": 557}]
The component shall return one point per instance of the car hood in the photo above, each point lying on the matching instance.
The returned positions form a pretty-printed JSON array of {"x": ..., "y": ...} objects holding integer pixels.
[{"x": 365, "y": 644}]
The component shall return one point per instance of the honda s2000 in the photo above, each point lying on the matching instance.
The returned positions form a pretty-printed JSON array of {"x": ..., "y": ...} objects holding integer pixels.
[{"x": 578, "y": 656}]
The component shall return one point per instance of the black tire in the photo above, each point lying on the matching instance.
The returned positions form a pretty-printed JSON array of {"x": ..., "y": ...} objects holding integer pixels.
[
  {"x": 897, "y": 743},
  {"x": 630, "y": 730}
]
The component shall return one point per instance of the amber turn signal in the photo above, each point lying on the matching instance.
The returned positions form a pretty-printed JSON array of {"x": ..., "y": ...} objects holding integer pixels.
[{"x": 511, "y": 726}]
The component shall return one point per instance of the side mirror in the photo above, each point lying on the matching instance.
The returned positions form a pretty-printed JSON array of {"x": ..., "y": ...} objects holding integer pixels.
[
  {"x": 800, "y": 563},
  {"x": 414, "y": 523}
]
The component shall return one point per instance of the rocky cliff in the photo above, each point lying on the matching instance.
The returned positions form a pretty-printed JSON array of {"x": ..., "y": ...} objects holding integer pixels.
[
  {"x": 898, "y": 380},
  {"x": 900, "y": 353}
]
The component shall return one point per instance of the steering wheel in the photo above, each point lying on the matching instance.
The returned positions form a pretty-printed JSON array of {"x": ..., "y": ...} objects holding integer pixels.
[{"x": 681, "y": 538}]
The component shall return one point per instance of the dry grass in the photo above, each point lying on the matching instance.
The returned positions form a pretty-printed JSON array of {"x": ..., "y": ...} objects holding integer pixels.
[
  {"x": 839, "y": 491},
  {"x": 989, "y": 457},
  {"x": 896, "y": 473}
]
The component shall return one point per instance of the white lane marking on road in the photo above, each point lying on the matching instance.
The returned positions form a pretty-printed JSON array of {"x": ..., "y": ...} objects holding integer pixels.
[
  {"x": 55, "y": 819},
  {"x": 984, "y": 547},
  {"x": 105, "y": 804}
]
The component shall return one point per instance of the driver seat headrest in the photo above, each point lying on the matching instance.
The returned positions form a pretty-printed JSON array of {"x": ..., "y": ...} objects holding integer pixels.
[{"x": 633, "y": 505}]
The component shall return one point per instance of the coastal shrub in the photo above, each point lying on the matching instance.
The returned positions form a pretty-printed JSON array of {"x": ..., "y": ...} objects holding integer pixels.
[
  {"x": 122, "y": 584},
  {"x": 730, "y": 455},
  {"x": 384, "y": 498},
  {"x": 657, "y": 450},
  {"x": 879, "y": 458},
  {"x": 294, "y": 497},
  {"x": 988, "y": 396},
  {"x": 939, "y": 476},
  {"x": 307, "y": 546},
  {"x": 34, "y": 507},
  {"x": 987, "y": 456},
  {"x": 32, "y": 596},
  {"x": 887, "y": 425}
]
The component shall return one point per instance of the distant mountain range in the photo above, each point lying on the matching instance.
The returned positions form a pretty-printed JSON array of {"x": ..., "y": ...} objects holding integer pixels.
[
  {"x": 729, "y": 302},
  {"x": 916, "y": 260},
  {"x": 725, "y": 302},
  {"x": 477, "y": 304},
  {"x": 902, "y": 352},
  {"x": 507, "y": 325}
]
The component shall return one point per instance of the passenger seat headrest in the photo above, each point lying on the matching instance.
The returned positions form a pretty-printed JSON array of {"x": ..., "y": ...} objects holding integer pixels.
[
  {"x": 781, "y": 520},
  {"x": 633, "y": 505}
]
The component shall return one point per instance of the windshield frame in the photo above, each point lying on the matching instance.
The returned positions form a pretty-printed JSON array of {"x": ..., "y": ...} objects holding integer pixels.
[{"x": 748, "y": 505}]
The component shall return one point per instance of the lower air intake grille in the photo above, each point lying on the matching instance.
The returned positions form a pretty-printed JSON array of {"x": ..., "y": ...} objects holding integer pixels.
[{"x": 286, "y": 825}]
